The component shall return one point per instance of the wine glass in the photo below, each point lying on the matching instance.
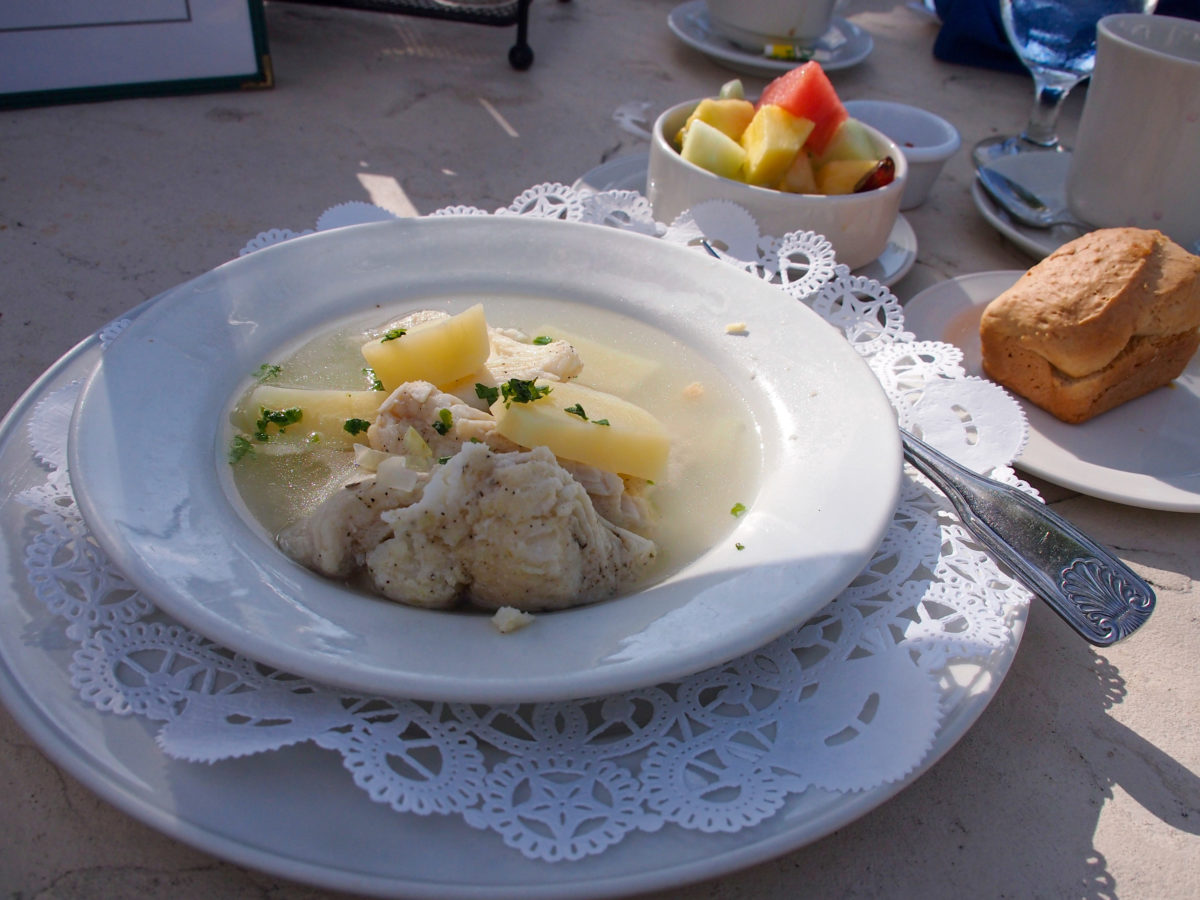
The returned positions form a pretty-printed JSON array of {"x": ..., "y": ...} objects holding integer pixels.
[{"x": 1056, "y": 40}]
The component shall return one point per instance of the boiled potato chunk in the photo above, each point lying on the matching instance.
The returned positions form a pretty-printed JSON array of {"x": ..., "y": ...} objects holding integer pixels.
[
  {"x": 321, "y": 411},
  {"x": 606, "y": 368},
  {"x": 711, "y": 149},
  {"x": 633, "y": 442},
  {"x": 441, "y": 352},
  {"x": 841, "y": 175},
  {"x": 728, "y": 116},
  {"x": 771, "y": 141}
]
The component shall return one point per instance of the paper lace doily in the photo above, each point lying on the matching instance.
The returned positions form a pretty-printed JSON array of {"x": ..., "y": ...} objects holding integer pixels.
[{"x": 852, "y": 700}]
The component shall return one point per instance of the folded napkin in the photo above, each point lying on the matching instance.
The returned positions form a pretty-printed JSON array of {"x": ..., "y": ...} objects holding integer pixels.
[{"x": 972, "y": 34}]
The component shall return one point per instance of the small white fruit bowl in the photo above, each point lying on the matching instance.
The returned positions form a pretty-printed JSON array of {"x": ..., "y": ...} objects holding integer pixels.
[
  {"x": 927, "y": 140},
  {"x": 857, "y": 225}
]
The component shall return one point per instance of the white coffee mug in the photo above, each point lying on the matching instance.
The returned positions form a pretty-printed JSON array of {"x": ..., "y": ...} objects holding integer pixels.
[
  {"x": 1137, "y": 153},
  {"x": 755, "y": 24}
]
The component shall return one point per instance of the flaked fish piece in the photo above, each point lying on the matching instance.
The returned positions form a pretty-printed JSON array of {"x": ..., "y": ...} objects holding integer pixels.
[
  {"x": 504, "y": 529},
  {"x": 336, "y": 537},
  {"x": 420, "y": 405},
  {"x": 514, "y": 355},
  {"x": 620, "y": 500}
]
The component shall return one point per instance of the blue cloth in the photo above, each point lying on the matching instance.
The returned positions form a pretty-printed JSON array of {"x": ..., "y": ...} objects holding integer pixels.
[{"x": 972, "y": 32}]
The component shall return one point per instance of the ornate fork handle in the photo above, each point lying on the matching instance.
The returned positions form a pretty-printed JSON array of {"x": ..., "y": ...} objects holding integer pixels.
[{"x": 1096, "y": 593}]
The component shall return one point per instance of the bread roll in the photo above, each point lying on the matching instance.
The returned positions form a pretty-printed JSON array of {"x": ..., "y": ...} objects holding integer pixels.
[{"x": 1103, "y": 319}]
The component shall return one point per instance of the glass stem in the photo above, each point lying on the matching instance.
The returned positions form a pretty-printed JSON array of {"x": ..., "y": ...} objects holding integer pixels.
[{"x": 1043, "y": 118}]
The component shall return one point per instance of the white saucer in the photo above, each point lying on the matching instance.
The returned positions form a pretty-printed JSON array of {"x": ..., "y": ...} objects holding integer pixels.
[
  {"x": 1046, "y": 175},
  {"x": 844, "y": 45},
  {"x": 1145, "y": 453},
  {"x": 628, "y": 173}
]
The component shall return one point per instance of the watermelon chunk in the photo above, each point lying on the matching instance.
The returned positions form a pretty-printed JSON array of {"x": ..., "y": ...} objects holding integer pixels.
[{"x": 807, "y": 92}]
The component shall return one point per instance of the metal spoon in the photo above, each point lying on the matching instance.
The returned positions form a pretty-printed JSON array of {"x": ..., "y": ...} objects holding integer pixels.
[
  {"x": 1023, "y": 204},
  {"x": 1097, "y": 594}
]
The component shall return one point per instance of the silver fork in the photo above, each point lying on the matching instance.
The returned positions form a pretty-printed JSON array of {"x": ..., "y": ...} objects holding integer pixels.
[{"x": 1097, "y": 594}]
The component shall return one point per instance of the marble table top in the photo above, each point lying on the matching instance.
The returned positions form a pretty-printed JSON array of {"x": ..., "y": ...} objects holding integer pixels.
[{"x": 1081, "y": 779}]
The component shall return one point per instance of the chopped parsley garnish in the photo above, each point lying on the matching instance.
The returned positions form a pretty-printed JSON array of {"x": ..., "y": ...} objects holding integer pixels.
[
  {"x": 281, "y": 418},
  {"x": 239, "y": 447},
  {"x": 518, "y": 390},
  {"x": 356, "y": 426},
  {"x": 739, "y": 546},
  {"x": 444, "y": 421},
  {"x": 376, "y": 384},
  {"x": 442, "y": 460},
  {"x": 515, "y": 390},
  {"x": 267, "y": 371},
  {"x": 577, "y": 410},
  {"x": 392, "y": 333},
  {"x": 738, "y": 509},
  {"x": 542, "y": 340}
]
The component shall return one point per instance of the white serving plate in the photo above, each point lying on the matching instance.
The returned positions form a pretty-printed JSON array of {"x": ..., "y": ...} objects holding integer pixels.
[
  {"x": 146, "y": 451},
  {"x": 1144, "y": 453}
]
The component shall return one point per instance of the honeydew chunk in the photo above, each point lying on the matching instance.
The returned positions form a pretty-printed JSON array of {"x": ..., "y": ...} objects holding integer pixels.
[
  {"x": 800, "y": 177},
  {"x": 850, "y": 141},
  {"x": 324, "y": 412},
  {"x": 732, "y": 90},
  {"x": 771, "y": 141},
  {"x": 633, "y": 442},
  {"x": 839, "y": 176},
  {"x": 606, "y": 368},
  {"x": 711, "y": 149},
  {"x": 729, "y": 116},
  {"x": 440, "y": 351}
]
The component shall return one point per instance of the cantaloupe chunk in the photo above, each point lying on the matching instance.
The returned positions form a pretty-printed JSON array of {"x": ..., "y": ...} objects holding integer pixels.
[
  {"x": 633, "y": 442},
  {"x": 729, "y": 116},
  {"x": 711, "y": 149},
  {"x": 771, "y": 141},
  {"x": 441, "y": 351},
  {"x": 800, "y": 177},
  {"x": 839, "y": 176},
  {"x": 323, "y": 411}
]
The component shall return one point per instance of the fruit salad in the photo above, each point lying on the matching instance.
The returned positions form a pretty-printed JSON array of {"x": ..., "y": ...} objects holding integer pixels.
[{"x": 798, "y": 138}]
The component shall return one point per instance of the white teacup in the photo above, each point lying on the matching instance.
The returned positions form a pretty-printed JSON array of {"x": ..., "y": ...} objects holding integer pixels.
[
  {"x": 755, "y": 24},
  {"x": 1137, "y": 152}
]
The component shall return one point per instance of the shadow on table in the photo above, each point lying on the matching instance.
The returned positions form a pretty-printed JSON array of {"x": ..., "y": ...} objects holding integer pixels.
[
  {"x": 1015, "y": 809},
  {"x": 1070, "y": 756}
]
